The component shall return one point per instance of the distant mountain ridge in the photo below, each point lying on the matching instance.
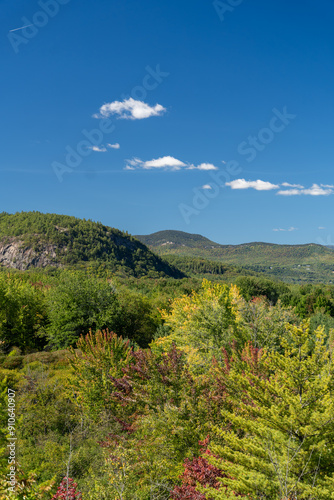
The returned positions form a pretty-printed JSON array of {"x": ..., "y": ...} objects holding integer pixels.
[
  {"x": 34, "y": 239},
  {"x": 172, "y": 241},
  {"x": 176, "y": 239},
  {"x": 295, "y": 261}
]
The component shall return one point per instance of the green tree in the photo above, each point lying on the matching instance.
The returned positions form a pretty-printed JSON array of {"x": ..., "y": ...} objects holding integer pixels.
[
  {"x": 23, "y": 316},
  {"x": 204, "y": 323},
  {"x": 138, "y": 320},
  {"x": 260, "y": 287},
  {"x": 78, "y": 303},
  {"x": 278, "y": 440},
  {"x": 99, "y": 357},
  {"x": 264, "y": 324}
]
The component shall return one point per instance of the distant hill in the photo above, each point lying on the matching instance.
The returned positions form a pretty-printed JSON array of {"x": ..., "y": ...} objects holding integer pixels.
[
  {"x": 175, "y": 239},
  {"x": 309, "y": 262},
  {"x": 34, "y": 239}
]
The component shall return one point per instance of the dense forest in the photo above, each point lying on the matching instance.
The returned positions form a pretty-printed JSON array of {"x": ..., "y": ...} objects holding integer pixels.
[
  {"x": 213, "y": 384},
  {"x": 77, "y": 242}
]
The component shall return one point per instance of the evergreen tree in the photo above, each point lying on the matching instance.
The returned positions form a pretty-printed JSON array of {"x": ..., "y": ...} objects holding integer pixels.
[{"x": 278, "y": 441}]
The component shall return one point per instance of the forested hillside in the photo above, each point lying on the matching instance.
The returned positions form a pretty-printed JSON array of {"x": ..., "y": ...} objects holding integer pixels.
[
  {"x": 34, "y": 239},
  {"x": 292, "y": 263}
]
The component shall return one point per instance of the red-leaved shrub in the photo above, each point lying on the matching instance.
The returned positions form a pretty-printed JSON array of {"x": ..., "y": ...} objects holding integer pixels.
[
  {"x": 197, "y": 471},
  {"x": 67, "y": 490}
]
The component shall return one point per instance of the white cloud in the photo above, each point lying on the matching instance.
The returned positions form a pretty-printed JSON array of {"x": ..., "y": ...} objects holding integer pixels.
[
  {"x": 134, "y": 162},
  {"x": 101, "y": 149},
  {"x": 258, "y": 185},
  {"x": 206, "y": 186},
  {"x": 321, "y": 227},
  {"x": 290, "y": 229},
  {"x": 203, "y": 166},
  {"x": 166, "y": 162},
  {"x": 289, "y": 192},
  {"x": 130, "y": 109},
  {"x": 314, "y": 190},
  {"x": 296, "y": 189},
  {"x": 286, "y": 184}
]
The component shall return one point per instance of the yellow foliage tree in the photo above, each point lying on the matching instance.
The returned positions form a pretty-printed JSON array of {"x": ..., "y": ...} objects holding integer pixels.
[{"x": 203, "y": 323}]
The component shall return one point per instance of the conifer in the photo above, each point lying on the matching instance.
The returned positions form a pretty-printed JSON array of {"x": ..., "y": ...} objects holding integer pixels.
[{"x": 278, "y": 440}]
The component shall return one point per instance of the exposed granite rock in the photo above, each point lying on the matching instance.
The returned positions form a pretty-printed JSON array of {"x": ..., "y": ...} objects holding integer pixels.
[{"x": 15, "y": 254}]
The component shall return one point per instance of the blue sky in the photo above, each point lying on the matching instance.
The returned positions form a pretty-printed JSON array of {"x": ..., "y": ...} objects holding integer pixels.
[{"x": 207, "y": 117}]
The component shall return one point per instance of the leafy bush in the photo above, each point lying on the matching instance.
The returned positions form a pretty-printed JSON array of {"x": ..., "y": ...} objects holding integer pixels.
[
  {"x": 77, "y": 304},
  {"x": 67, "y": 490},
  {"x": 23, "y": 316}
]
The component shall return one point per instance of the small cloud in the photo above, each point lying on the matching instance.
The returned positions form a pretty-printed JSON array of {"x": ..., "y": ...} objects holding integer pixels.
[
  {"x": 165, "y": 162},
  {"x": 223, "y": 161},
  {"x": 314, "y": 190},
  {"x": 206, "y": 186},
  {"x": 257, "y": 185},
  {"x": 320, "y": 227},
  {"x": 98, "y": 149},
  {"x": 286, "y": 184},
  {"x": 296, "y": 189},
  {"x": 290, "y": 229},
  {"x": 203, "y": 166},
  {"x": 134, "y": 162},
  {"x": 169, "y": 163},
  {"x": 114, "y": 146},
  {"x": 130, "y": 109},
  {"x": 289, "y": 192}
]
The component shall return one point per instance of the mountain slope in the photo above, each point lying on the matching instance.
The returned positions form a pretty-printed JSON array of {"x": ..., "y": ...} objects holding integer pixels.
[
  {"x": 310, "y": 262},
  {"x": 34, "y": 239}
]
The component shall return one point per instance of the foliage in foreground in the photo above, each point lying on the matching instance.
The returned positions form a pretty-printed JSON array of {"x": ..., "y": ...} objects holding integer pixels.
[
  {"x": 235, "y": 400},
  {"x": 216, "y": 316},
  {"x": 278, "y": 437},
  {"x": 53, "y": 313}
]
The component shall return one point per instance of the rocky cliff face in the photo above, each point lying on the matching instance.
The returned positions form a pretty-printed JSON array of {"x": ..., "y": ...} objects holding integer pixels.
[{"x": 15, "y": 254}]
